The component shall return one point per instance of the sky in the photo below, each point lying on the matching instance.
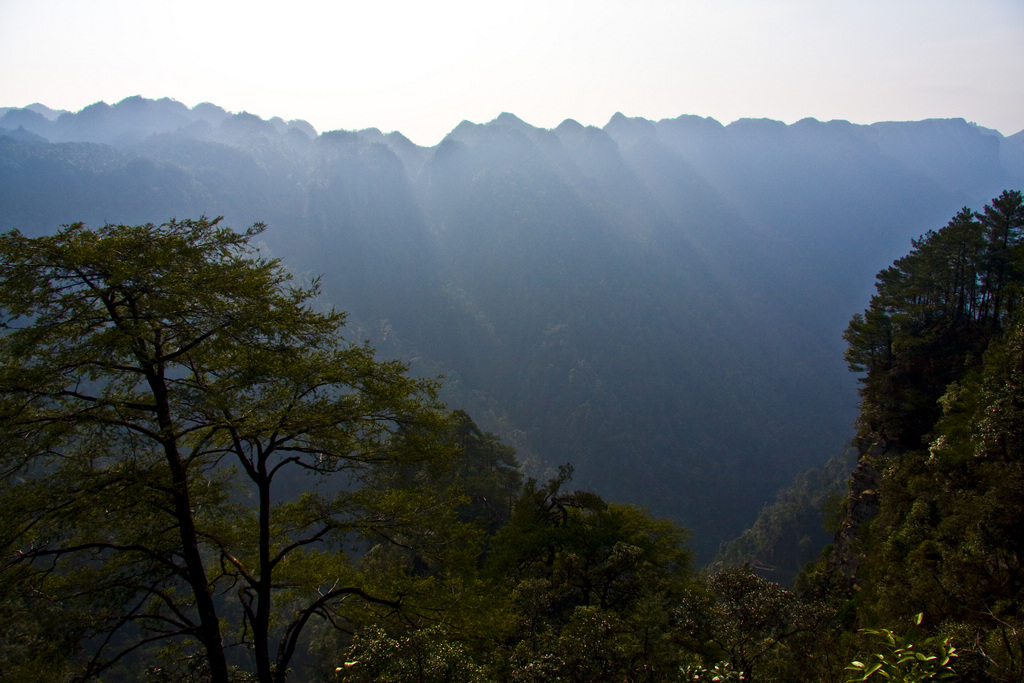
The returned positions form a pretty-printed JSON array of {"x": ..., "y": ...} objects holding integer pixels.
[{"x": 422, "y": 67}]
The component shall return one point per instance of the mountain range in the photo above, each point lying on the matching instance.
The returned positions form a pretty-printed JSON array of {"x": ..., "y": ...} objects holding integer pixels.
[{"x": 659, "y": 303}]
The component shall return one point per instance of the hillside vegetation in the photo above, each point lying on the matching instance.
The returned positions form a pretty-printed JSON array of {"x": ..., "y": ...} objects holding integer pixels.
[{"x": 204, "y": 481}]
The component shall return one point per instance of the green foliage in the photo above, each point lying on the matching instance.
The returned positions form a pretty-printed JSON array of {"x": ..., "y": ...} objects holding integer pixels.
[
  {"x": 906, "y": 659},
  {"x": 36, "y": 642},
  {"x": 934, "y": 313},
  {"x": 487, "y": 473},
  {"x": 751, "y": 623},
  {"x": 590, "y": 588},
  {"x": 569, "y": 588},
  {"x": 948, "y": 536},
  {"x": 946, "y": 396},
  {"x": 595, "y": 553},
  {"x": 423, "y": 656},
  {"x": 721, "y": 672},
  {"x": 189, "y": 447},
  {"x": 791, "y": 531}
]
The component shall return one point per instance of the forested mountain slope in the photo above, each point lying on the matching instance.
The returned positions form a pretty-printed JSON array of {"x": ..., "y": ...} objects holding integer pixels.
[
  {"x": 660, "y": 303},
  {"x": 934, "y": 520}
]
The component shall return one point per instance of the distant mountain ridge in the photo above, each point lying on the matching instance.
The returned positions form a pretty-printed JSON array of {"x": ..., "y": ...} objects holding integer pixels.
[
  {"x": 660, "y": 303},
  {"x": 128, "y": 121}
]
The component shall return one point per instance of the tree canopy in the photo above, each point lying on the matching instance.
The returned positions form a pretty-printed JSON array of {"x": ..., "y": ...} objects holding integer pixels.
[
  {"x": 942, "y": 346},
  {"x": 189, "y": 446},
  {"x": 936, "y": 309}
]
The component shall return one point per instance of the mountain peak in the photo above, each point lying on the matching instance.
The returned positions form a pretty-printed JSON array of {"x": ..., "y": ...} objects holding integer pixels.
[
  {"x": 620, "y": 124},
  {"x": 509, "y": 120},
  {"x": 49, "y": 114}
]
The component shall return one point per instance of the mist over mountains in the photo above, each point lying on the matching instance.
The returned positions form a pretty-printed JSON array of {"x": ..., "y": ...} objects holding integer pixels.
[{"x": 659, "y": 303}]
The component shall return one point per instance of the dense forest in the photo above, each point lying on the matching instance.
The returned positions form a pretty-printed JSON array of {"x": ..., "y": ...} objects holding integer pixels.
[
  {"x": 660, "y": 303},
  {"x": 165, "y": 389}
]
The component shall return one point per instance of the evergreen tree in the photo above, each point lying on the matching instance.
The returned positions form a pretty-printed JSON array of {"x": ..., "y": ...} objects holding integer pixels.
[
  {"x": 935, "y": 310},
  {"x": 942, "y": 346}
]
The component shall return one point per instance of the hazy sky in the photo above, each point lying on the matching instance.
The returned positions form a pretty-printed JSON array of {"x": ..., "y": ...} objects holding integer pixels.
[{"x": 421, "y": 67}]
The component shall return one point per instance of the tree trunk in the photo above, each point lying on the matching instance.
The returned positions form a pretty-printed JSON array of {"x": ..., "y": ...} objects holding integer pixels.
[{"x": 209, "y": 624}]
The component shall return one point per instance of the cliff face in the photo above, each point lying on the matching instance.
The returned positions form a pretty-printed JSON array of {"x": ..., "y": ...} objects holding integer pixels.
[{"x": 862, "y": 505}]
